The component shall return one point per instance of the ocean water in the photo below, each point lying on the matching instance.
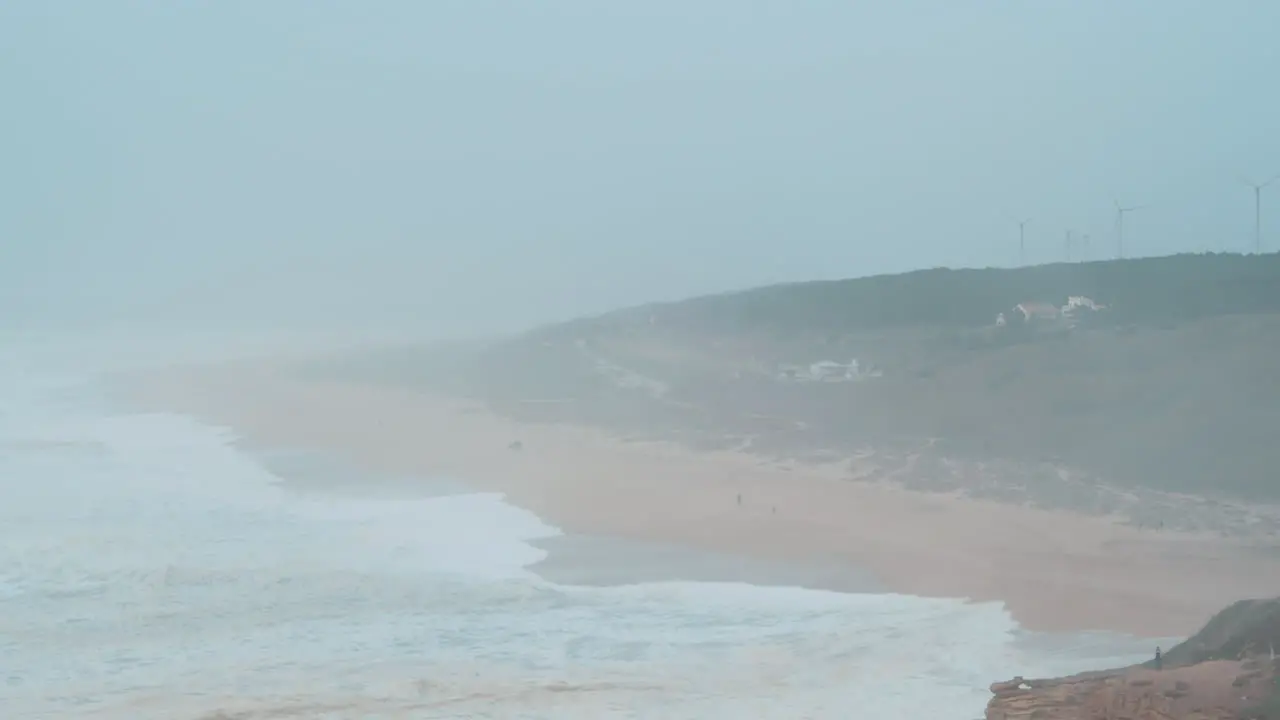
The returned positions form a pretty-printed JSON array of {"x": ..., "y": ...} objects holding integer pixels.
[{"x": 151, "y": 569}]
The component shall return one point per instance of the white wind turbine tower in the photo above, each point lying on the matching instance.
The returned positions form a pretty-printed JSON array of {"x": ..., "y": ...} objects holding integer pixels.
[
  {"x": 1120, "y": 211},
  {"x": 1022, "y": 241},
  {"x": 1257, "y": 211}
]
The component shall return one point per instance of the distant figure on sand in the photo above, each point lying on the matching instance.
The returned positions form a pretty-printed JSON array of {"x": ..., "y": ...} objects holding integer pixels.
[{"x": 1159, "y": 659}]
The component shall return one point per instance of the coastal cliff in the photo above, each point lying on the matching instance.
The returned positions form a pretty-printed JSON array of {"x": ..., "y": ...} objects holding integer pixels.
[{"x": 1227, "y": 671}]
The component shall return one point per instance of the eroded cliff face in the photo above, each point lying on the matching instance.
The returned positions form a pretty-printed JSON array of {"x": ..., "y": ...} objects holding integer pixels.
[
  {"x": 1227, "y": 671},
  {"x": 1210, "y": 690}
]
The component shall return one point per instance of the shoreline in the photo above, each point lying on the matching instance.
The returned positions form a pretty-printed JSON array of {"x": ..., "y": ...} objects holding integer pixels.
[
  {"x": 603, "y": 561},
  {"x": 1055, "y": 571},
  {"x": 571, "y": 559}
]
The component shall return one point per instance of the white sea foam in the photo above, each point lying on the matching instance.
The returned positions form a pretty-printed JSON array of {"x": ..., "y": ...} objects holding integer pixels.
[{"x": 149, "y": 569}]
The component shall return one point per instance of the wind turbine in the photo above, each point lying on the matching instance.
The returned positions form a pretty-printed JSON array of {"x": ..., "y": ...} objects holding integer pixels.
[
  {"x": 1257, "y": 211},
  {"x": 1120, "y": 211},
  {"x": 1068, "y": 244},
  {"x": 1022, "y": 241}
]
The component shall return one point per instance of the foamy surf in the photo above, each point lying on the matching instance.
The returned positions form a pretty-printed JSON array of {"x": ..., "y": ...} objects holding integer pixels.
[{"x": 150, "y": 569}]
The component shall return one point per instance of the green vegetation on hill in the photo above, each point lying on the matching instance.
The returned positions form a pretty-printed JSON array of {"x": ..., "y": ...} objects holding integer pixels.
[
  {"x": 1247, "y": 628},
  {"x": 1143, "y": 291},
  {"x": 1175, "y": 387}
]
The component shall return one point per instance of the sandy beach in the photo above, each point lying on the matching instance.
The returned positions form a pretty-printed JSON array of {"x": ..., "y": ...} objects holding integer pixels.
[{"x": 1055, "y": 571}]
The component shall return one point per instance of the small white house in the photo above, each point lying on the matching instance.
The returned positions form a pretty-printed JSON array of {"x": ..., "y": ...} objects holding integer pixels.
[
  {"x": 1032, "y": 312},
  {"x": 1079, "y": 301},
  {"x": 1079, "y": 306},
  {"x": 828, "y": 370}
]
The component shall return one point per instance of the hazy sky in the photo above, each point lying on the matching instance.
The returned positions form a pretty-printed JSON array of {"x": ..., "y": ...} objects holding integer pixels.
[{"x": 450, "y": 162}]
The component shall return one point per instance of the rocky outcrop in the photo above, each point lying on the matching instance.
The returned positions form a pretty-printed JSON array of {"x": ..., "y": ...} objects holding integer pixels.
[
  {"x": 1214, "y": 690},
  {"x": 1227, "y": 671}
]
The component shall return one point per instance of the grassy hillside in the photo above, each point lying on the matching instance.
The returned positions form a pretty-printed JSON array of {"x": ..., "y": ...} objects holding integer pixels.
[
  {"x": 1175, "y": 387},
  {"x": 1245, "y": 629},
  {"x": 1154, "y": 291}
]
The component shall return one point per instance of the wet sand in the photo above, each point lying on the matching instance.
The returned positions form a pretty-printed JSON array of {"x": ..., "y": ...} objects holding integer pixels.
[
  {"x": 1055, "y": 570},
  {"x": 606, "y": 561},
  {"x": 589, "y": 560}
]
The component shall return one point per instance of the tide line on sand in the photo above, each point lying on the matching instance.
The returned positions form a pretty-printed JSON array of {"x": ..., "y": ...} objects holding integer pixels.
[{"x": 1055, "y": 570}]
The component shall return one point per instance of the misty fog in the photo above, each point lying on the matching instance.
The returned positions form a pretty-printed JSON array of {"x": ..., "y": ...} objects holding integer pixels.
[{"x": 469, "y": 167}]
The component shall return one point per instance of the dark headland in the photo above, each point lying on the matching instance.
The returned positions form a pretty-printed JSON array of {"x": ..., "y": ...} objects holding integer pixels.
[{"x": 1227, "y": 671}]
